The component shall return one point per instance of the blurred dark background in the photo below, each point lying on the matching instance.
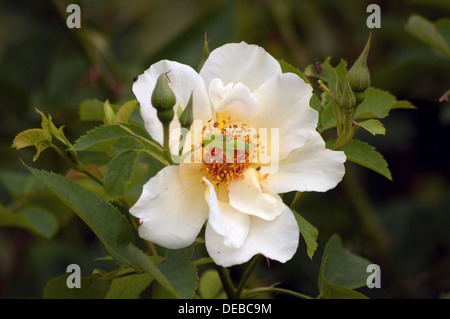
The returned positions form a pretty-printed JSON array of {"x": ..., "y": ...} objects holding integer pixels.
[{"x": 402, "y": 225}]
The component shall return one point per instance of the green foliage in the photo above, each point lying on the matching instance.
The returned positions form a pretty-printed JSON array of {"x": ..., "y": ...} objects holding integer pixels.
[
  {"x": 177, "y": 275},
  {"x": 128, "y": 287},
  {"x": 106, "y": 221},
  {"x": 309, "y": 234},
  {"x": 33, "y": 137},
  {"x": 209, "y": 285},
  {"x": 119, "y": 174},
  {"x": 365, "y": 155},
  {"x": 341, "y": 271},
  {"x": 91, "y": 288},
  {"x": 372, "y": 126},
  {"x": 33, "y": 218},
  {"x": 287, "y": 67},
  {"x": 435, "y": 34},
  {"x": 100, "y": 194}
]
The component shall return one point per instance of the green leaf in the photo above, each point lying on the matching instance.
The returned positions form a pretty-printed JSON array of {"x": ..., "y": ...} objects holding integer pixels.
[
  {"x": 443, "y": 27},
  {"x": 57, "y": 133},
  {"x": 427, "y": 32},
  {"x": 34, "y": 137},
  {"x": 110, "y": 114},
  {"x": 289, "y": 68},
  {"x": 106, "y": 221},
  {"x": 119, "y": 173},
  {"x": 403, "y": 105},
  {"x": 128, "y": 287},
  {"x": 331, "y": 291},
  {"x": 92, "y": 110},
  {"x": 125, "y": 111},
  {"x": 177, "y": 275},
  {"x": 309, "y": 234},
  {"x": 181, "y": 273},
  {"x": 91, "y": 288},
  {"x": 141, "y": 260},
  {"x": 376, "y": 104},
  {"x": 341, "y": 267},
  {"x": 209, "y": 285},
  {"x": 127, "y": 143},
  {"x": 365, "y": 155},
  {"x": 32, "y": 218},
  {"x": 374, "y": 127},
  {"x": 20, "y": 183},
  {"x": 205, "y": 55},
  {"x": 333, "y": 76},
  {"x": 102, "y": 138},
  {"x": 315, "y": 103},
  {"x": 328, "y": 117}
]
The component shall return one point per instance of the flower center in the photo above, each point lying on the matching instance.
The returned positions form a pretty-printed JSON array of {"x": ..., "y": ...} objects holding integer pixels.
[{"x": 228, "y": 149}]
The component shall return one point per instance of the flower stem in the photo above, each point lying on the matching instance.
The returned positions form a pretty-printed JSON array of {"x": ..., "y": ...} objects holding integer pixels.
[
  {"x": 278, "y": 291},
  {"x": 299, "y": 196},
  {"x": 228, "y": 286},
  {"x": 166, "y": 144},
  {"x": 255, "y": 261}
]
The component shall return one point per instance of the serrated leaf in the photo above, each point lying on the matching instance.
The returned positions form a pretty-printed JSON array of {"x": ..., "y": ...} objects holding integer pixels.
[
  {"x": 56, "y": 133},
  {"x": 376, "y": 104},
  {"x": 309, "y": 234},
  {"x": 374, "y": 127},
  {"x": 92, "y": 110},
  {"x": 341, "y": 267},
  {"x": 141, "y": 260},
  {"x": 32, "y": 218},
  {"x": 341, "y": 271},
  {"x": 106, "y": 221},
  {"x": 33, "y": 137},
  {"x": 127, "y": 143},
  {"x": 102, "y": 138},
  {"x": 331, "y": 291},
  {"x": 119, "y": 173},
  {"x": 125, "y": 111},
  {"x": 91, "y": 288},
  {"x": 289, "y": 68},
  {"x": 427, "y": 32},
  {"x": 403, "y": 105},
  {"x": 366, "y": 155},
  {"x": 181, "y": 273},
  {"x": 128, "y": 287}
]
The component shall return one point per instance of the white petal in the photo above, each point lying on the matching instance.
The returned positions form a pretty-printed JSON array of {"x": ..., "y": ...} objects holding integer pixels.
[
  {"x": 310, "y": 168},
  {"x": 234, "y": 100},
  {"x": 184, "y": 80},
  {"x": 248, "y": 64},
  {"x": 276, "y": 239},
  {"x": 230, "y": 223},
  {"x": 284, "y": 102},
  {"x": 248, "y": 196},
  {"x": 172, "y": 206}
]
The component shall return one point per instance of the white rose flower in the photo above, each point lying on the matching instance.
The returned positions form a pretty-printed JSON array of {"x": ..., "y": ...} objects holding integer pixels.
[{"x": 240, "y": 86}]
